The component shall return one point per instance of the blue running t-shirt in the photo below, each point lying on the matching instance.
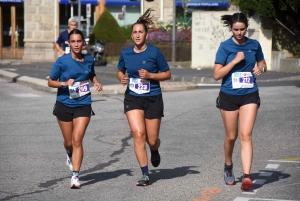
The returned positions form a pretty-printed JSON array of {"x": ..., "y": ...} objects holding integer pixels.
[
  {"x": 63, "y": 39},
  {"x": 151, "y": 60},
  {"x": 228, "y": 51},
  {"x": 66, "y": 68}
]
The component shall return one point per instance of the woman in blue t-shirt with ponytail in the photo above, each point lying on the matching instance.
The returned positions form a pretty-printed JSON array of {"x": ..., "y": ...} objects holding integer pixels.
[
  {"x": 71, "y": 74},
  {"x": 238, "y": 61},
  {"x": 143, "y": 103}
]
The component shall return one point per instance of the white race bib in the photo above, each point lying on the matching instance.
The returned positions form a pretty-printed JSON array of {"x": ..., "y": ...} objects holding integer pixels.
[
  {"x": 139, "y": 86},
  {"x": 79, "y": 89},
  {"x": 242, "y": 80},
  {"x": 67, "y": 50}
]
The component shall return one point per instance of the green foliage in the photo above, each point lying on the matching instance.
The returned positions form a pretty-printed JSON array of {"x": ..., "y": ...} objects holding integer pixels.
[
  {"x": 108, "y": 29},
  {"x": 297, "y": 51},
  {"x": 127, "y": 31},
  {"x": 282, "y": 16}
]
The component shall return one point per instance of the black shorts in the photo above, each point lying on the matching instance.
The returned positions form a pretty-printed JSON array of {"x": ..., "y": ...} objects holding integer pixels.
[
  {"x": 230, "y": 102},
  {"x": 65, "y": 113},
  {"x": 153, "y": 106}
]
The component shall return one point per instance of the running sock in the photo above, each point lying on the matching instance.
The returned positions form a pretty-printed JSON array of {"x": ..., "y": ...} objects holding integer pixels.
[
  {"x": 154, "y": 152},
  {"x": 228, "y": 166},
  {"x": 246, "y": 175},
  {"x": 145, "y": 170},
  {"x": 69, "y": 154},
  {"x": 75, "y": 173}
]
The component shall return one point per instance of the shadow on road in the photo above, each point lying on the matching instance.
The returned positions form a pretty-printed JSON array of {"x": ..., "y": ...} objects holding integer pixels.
[
  {"x": 161, "y": 174},
  {"x": 275, "y": 177},
  {"x": 102, "y": 176}
]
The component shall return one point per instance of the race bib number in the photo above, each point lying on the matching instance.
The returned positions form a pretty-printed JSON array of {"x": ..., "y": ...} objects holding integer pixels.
[
  {"x": 79, "y": 89},
  {"x": 139, "y": 86},
  {"x": 242, "y": 80},
  {"x": 67, "y": 50}
]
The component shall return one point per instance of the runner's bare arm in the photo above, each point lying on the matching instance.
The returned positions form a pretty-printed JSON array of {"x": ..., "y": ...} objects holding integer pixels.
[
  {"x": 155, "y": 76},
  {"x": 121, "y": 77},
  {"x": 220, "y": 70}
]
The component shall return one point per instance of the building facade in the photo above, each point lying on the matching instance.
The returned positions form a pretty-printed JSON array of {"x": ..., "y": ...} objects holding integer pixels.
[{"x": 31, "y": 27}]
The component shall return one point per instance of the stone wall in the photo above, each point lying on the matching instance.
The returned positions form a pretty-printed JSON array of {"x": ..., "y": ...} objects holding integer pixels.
[
  {"x": 163, "y": 9},
  {"x": 281, "y": 64},
  {"x": 208, "y": 32},
  {"x": 41, "y": 30}
]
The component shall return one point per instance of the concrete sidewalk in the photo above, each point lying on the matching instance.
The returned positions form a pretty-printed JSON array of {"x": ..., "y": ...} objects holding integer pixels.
[
  {"x": 41, "y": 84},
  {"x": 183, "y": 77}
]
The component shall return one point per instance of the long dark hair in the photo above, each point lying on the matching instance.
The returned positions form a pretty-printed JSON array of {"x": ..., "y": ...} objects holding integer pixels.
[
  {"x": 75, "y": 31},
  {"x": 229, "y": 20},
  {"x": 146, "y": 20}
]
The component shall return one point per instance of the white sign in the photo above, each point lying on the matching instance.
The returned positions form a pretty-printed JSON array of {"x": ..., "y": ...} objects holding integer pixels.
[{"x": 88, "y": 10}]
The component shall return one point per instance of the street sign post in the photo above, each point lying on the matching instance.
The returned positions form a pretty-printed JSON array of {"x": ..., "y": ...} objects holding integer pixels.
[{"x": 88, "y": 16}]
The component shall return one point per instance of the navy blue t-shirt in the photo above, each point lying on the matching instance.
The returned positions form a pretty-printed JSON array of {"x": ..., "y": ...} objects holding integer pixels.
[
  {"x": 228, "y": 51},
  {"x": 151, "y": 60},
  {"x": 63, "y": 39},
  {"x": 66, "y": 68}
]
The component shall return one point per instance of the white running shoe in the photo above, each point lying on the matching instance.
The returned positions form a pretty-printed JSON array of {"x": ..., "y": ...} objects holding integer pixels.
[
  {"x": 75, "y": 182},
  {"x": 69, "y": 163}
]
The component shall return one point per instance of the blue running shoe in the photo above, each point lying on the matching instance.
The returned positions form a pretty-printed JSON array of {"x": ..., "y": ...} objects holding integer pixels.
[
  {"x": 228, "y": 175},
  {"x": 144, "y": 181}
]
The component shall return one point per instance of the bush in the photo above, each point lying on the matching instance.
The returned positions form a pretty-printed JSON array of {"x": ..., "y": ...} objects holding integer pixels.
[
  {"x": 127, "y": 31},
  {"x": 297, "y": 51},
  {"x": 108, "y": 29}
]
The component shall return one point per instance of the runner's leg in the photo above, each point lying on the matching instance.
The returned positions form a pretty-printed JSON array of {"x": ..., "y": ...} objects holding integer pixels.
[
  {"x": 230, "y": 121},
  {"x": 247, "y": 119},
  {"x": 80, "y": 124},
  {"x": 136, "y": 120},
  {"x": 66, "y": 129},
  {"x": 152, "y": 127}
]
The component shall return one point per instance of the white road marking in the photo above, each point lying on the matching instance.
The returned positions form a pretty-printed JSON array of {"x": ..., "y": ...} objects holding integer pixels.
[
  {"x": 29, "y": 95},
  {"x": 251, "y": 192},
  {"x": 272, "y": 166},
  {"x": 265, "y": 174},
  {"x": 259, "y": 181},
  {"x": 283, "y": 161},
  {"x": 208, "y": 85},
  {"x": 10, "y": 69},
  {"x": 257, "y": 199}
]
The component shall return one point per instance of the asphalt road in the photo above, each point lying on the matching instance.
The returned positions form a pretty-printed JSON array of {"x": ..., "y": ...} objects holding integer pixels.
[{"x": 33, "y": 158}]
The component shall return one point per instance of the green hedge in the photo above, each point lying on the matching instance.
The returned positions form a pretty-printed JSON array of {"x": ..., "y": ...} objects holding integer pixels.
[{"x": 107, "y": 29}]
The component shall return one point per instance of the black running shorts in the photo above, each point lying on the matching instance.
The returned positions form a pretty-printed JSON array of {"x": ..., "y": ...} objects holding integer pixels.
[
  {"x": 230, "y": 102},
  {"x": 65, "y": 113},
  {"x": 153, "y": 106}
]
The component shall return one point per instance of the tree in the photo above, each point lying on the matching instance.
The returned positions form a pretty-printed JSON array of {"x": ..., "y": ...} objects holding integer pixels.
[
  {"x": 108, "y": 29},
  {"x": 282, "y": 16}
]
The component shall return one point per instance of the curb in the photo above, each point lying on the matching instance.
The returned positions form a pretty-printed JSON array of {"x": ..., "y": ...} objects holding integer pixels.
[{"x": 41, "y": 84}]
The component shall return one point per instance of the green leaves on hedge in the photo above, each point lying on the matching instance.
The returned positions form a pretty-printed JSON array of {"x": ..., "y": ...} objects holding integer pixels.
[{"x": 108, "y": 29}]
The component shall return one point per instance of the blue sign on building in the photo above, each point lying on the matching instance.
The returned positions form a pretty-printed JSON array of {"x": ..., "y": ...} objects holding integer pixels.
[
  {"x": 83, "y": 2},
  {"x": 107, "y": 2},
  {"x": 11, "y": 1},
  {"x": 205, "y": 3}
]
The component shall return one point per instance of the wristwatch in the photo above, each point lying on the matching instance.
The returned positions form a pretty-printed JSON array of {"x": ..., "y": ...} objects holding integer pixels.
[{"x": 262, "y": 68}]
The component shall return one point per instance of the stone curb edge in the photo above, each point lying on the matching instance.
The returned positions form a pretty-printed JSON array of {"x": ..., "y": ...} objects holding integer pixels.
[{"x": 41, "y": 84}]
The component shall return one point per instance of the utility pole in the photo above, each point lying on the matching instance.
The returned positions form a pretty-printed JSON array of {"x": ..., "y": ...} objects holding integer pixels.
[
  {"x": 174, "y": 33},
  {"x": 79, "y": 15}
]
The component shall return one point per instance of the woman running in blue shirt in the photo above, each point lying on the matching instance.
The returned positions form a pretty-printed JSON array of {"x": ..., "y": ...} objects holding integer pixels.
[
  {"x": 238, "y": 99},
  {"x": 71, "y": 74},
  {"x": 143, "y": 102}
]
